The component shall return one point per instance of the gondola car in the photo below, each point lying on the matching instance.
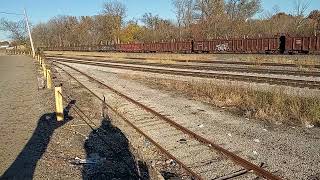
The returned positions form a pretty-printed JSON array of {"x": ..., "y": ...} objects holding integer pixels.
[{"x": 275, "y": 45}]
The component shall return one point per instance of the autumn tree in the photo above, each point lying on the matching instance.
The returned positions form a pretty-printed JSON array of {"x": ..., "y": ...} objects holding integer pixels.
[
  {"x": 196, "y": 20},
  {"x": 115, "y": 12},
  {"x": 211, "y": 18},
  {"x": 131, "y": 33},
  {"x": 239, "y": 12},
  {"x": 314, "y": 16},
  {"x": 184, "y": 10},
  {"x": 158, "y": 29}
]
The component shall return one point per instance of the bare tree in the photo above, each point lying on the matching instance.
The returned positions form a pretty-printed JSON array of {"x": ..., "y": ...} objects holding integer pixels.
[
  {"x": 301, "y": 6},
  {"x": 242, "y": 9},
  {"x": 17, "y": 30},
  {"x": 207, "y": 9},
  {"x": 115, "y": 11},
  {"x": 197, "y": 19},
  {"x": 315, "y": 17},
  {"x": 157, "y": 29},
  {"x": 184, "y": 13}
]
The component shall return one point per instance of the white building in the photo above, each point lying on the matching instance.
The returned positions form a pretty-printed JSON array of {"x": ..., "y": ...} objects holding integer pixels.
[{"x": 4, "y": 46}]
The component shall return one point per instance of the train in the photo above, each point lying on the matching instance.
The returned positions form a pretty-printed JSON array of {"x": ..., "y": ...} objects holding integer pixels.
[{"x": 273, "y": 45}]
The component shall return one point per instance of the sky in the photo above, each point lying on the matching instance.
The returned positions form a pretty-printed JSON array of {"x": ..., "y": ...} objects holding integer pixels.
[{"x": 42, "y": 10}]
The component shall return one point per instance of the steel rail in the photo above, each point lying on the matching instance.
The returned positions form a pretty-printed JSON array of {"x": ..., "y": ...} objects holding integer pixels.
[
  {"x": 236, "y": 159},
  {"x": 206, "y": 67},
  {"x": 317, "y": 66},
  {"x": 163, "y": 150},
  {"x": 79, "y": 112},
  {"x": 244, "y": 78}
]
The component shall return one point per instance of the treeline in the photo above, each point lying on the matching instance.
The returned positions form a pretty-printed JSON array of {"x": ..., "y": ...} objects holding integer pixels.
[
  {"x": 4, "y": 43},
  {"x": 195, "y": 19}
]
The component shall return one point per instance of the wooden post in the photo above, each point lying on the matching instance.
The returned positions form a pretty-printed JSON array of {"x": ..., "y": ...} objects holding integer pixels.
[
  {"x": 44, "y": 69},
  {"x": 49, "y": 81},
  {"x": 59, "y": 105}
]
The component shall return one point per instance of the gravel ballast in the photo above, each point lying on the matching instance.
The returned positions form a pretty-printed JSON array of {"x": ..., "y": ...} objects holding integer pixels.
[{"x": 292, "y": 152}]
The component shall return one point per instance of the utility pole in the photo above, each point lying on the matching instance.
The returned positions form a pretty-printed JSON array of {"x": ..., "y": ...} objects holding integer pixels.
[{"x": 28, "y": 27}]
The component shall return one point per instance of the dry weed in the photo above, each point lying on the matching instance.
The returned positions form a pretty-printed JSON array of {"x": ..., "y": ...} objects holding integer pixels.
[
  {"x": 257, "y": 59},
  {"x": 273, "y": 106}
]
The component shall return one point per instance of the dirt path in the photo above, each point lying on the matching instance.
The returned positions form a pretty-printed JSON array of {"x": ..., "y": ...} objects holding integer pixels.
[
  {"x": 21, "y": 107},
  {"x": 35, "y": 146},
  {"x": 27, "y": 124}
]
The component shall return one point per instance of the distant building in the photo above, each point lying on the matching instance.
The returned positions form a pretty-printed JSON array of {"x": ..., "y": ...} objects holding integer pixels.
[
  {"x": 10, "y": 48},
  {"x": 4, "y": 45}
]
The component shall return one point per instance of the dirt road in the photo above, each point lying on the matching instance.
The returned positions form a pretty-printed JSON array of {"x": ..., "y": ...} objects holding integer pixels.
[
  {"x": 35, "y": 146},
  {"x": 22, "y": 108},
  {"x": 27, "y": 122}
]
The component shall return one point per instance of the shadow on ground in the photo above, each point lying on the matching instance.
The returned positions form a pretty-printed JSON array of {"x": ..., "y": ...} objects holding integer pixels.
[
  {"x": 109, "y": 155},
  {"x": 107, "y": 150},
  {"x": 24, "y": 165}
]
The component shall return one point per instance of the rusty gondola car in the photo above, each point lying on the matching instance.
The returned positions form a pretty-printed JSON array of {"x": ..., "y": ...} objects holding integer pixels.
[
  {"x": 171, "y": 47},
  {"x": 304, "y": 45},
  {"x": 261, "y": 45},
  {"x": 134, "y": 47},
  {"x": 274, "y": 45}
]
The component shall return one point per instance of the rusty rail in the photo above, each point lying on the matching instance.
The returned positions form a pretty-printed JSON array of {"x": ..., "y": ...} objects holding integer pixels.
[
  {"x": 238, "y": 160},
  {"x": 136, "y": 128},
  {"x": 206, "y": 67},
  {"x": 317, "y": 66},
  {"x": 244, "y": 78}
]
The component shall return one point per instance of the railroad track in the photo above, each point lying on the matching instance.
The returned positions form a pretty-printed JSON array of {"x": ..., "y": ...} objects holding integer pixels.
[
  {"x": 211, "y": 68},
  {"x": 317, "y": 66},
  {"x": 234, "y": 77},
  {"x": 202, "y": 158}
]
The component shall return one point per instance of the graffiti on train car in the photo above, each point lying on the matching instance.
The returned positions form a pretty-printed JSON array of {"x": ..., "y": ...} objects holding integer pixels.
[{"x": 222, "y": 47}]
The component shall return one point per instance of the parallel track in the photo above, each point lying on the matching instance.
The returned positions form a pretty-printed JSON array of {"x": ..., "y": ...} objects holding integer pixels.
[
  {"x": 317, "y": 66},
  {"x": 244, "y": 78},
  {"x": 207, "y": 67},
  {"x": 205, "y": 142}
]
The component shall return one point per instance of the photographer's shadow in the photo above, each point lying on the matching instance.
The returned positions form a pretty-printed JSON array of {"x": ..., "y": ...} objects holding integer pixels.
[
  {"x": 24, "y": 165},
  {"x": 109, "y": 148}
]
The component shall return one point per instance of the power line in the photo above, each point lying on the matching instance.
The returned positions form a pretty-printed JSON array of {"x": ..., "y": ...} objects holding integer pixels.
[{"x": 2, "y": 12}]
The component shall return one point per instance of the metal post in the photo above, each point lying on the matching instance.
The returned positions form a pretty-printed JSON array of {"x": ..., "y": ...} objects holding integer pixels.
[{"x": 29, "y": 31}]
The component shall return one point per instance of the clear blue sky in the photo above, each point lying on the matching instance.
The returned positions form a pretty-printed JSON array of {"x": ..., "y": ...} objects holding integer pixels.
[{"x": 42, "y": 10}]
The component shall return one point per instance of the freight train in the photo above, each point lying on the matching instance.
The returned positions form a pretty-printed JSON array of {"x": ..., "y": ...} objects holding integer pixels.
[{"x": 274, "y": 45}]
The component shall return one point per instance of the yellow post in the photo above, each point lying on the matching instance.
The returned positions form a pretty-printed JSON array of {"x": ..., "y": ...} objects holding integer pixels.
[
  {"x": 44, "y": 69},
  {"x": 59, "y": 105},
  {"x": 49, "y": 81}
]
